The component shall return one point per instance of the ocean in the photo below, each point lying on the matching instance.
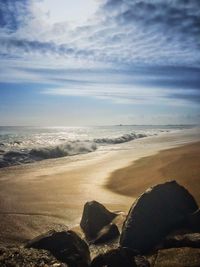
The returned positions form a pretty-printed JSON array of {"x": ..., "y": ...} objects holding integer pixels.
[{"x": 21, "y": 145}]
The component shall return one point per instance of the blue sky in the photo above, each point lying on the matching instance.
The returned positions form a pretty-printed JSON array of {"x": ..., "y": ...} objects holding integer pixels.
[{"x": 98, "y": 62}]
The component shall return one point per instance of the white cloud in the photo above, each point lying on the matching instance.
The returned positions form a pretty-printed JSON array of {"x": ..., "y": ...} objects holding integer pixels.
[
  {"x": 76, "y": 11},
  {"x": 122, "y": 94},
  {"x": 116, "y": 34},
  {"x": 114, "y": 38}
]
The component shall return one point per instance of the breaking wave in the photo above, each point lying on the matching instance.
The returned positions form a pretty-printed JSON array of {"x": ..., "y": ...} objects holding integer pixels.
[
  {"x": 121, "y": 139},
  {"x": 67, "y": 149},
  {"x": 27, "y": 156},
  {"x": 17, "y": 155}
]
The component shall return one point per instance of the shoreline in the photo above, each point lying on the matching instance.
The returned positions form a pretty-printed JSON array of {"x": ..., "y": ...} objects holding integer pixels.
[{"x": 35, "y": 198}]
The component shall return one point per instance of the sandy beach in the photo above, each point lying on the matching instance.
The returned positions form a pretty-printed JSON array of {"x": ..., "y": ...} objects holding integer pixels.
[
  {"x": 181, "y": 164},
  {"x": 49, "y": 194}
]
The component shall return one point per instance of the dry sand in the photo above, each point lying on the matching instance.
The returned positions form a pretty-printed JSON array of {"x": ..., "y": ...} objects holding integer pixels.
[
  {"x": 48, "y": 194},
  {"x": 181, "y": 164}
]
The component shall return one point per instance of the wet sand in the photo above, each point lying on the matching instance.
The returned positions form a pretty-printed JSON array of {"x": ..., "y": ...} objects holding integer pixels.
[{"x": 49, "y": 194}]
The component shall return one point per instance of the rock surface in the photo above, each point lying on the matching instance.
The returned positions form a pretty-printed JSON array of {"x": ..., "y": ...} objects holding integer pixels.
[
  {"x": 194, "y": 221},
  {"x": 22, "y": 257},
  {"x": 121, "y": 257},
  {"x": 158, "y": 211},
  {"x": 177, "y": 257},
  {"x": 66, "y": 246},
  {"x": 108, "y": 233},
  {"x": 187, "y": 240},
  {"x": 95, "y": 217}
]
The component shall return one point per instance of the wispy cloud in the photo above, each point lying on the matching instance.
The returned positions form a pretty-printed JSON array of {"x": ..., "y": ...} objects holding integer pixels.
[
  {"x": 123, "y": 31},
  {"x": 127, "y": 93},
  {"x": 138, "y": 51},
  {"x": 13, "y": 14}
]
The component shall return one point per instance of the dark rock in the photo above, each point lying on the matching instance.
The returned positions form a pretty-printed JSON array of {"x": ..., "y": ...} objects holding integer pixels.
[
  {"x": 178, "y": 257},
  {"x": 95, "y": 217},
  {"x": 141, "y": 261},
  {"x": 194, "y": 221},
  {"x": 22, "y": 257},
  {"x": 186, "y": 240},
  {"x": 108, "y": 233},
  {"x": 158, "y": 211},
  {"x": 66, "y": 246},
  {"x": 120, "y": 257}
]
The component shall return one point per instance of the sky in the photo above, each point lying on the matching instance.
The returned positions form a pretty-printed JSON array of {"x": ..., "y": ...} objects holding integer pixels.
[{"x": 99, "y": 62}]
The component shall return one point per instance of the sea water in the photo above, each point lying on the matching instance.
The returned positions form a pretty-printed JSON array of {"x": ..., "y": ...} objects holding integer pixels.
[{"x": 20, "y": 145}]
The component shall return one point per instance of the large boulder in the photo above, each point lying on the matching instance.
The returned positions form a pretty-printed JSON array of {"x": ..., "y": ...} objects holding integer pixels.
[
  {"x": 194, "y": 221},
  {"x": 95, "y": 217},
  {"x": 155, "y": 213},
  {"x": 120, "y": 257},
  {"x": 107, "y": 234},
  {"x": 24, "y": 257},
  {"x": 66, "y": 246},
  {"x": 177, "y": 257}
]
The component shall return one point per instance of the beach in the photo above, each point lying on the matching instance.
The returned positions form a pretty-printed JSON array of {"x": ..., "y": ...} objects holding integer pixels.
[
  {"x": 181, "y": 164},
  {"x": 49, "y": 194}
]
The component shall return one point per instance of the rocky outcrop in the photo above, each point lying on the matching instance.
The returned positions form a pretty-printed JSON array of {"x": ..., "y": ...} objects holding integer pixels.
[
  {"x": 66, "y": 246},
  {"x": 177, "y": 257},
  {"x": 158, "y": 211},
  {"x": 95, "y": 217},
  {"x": 108, "y": 233},
  {"x": 121, "y": 257},
  {"x": 22, "y": 257}
]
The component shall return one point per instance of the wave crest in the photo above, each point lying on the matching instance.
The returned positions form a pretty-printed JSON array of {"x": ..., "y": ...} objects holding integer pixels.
[
  {"x": 37, "y": 154},
  {"x": 121, "y": 139},
  {"x": 68, "y": 149}
]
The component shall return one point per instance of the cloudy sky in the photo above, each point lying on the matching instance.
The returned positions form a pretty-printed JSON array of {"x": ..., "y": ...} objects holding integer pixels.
[{"x": 99, "y": 62}]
